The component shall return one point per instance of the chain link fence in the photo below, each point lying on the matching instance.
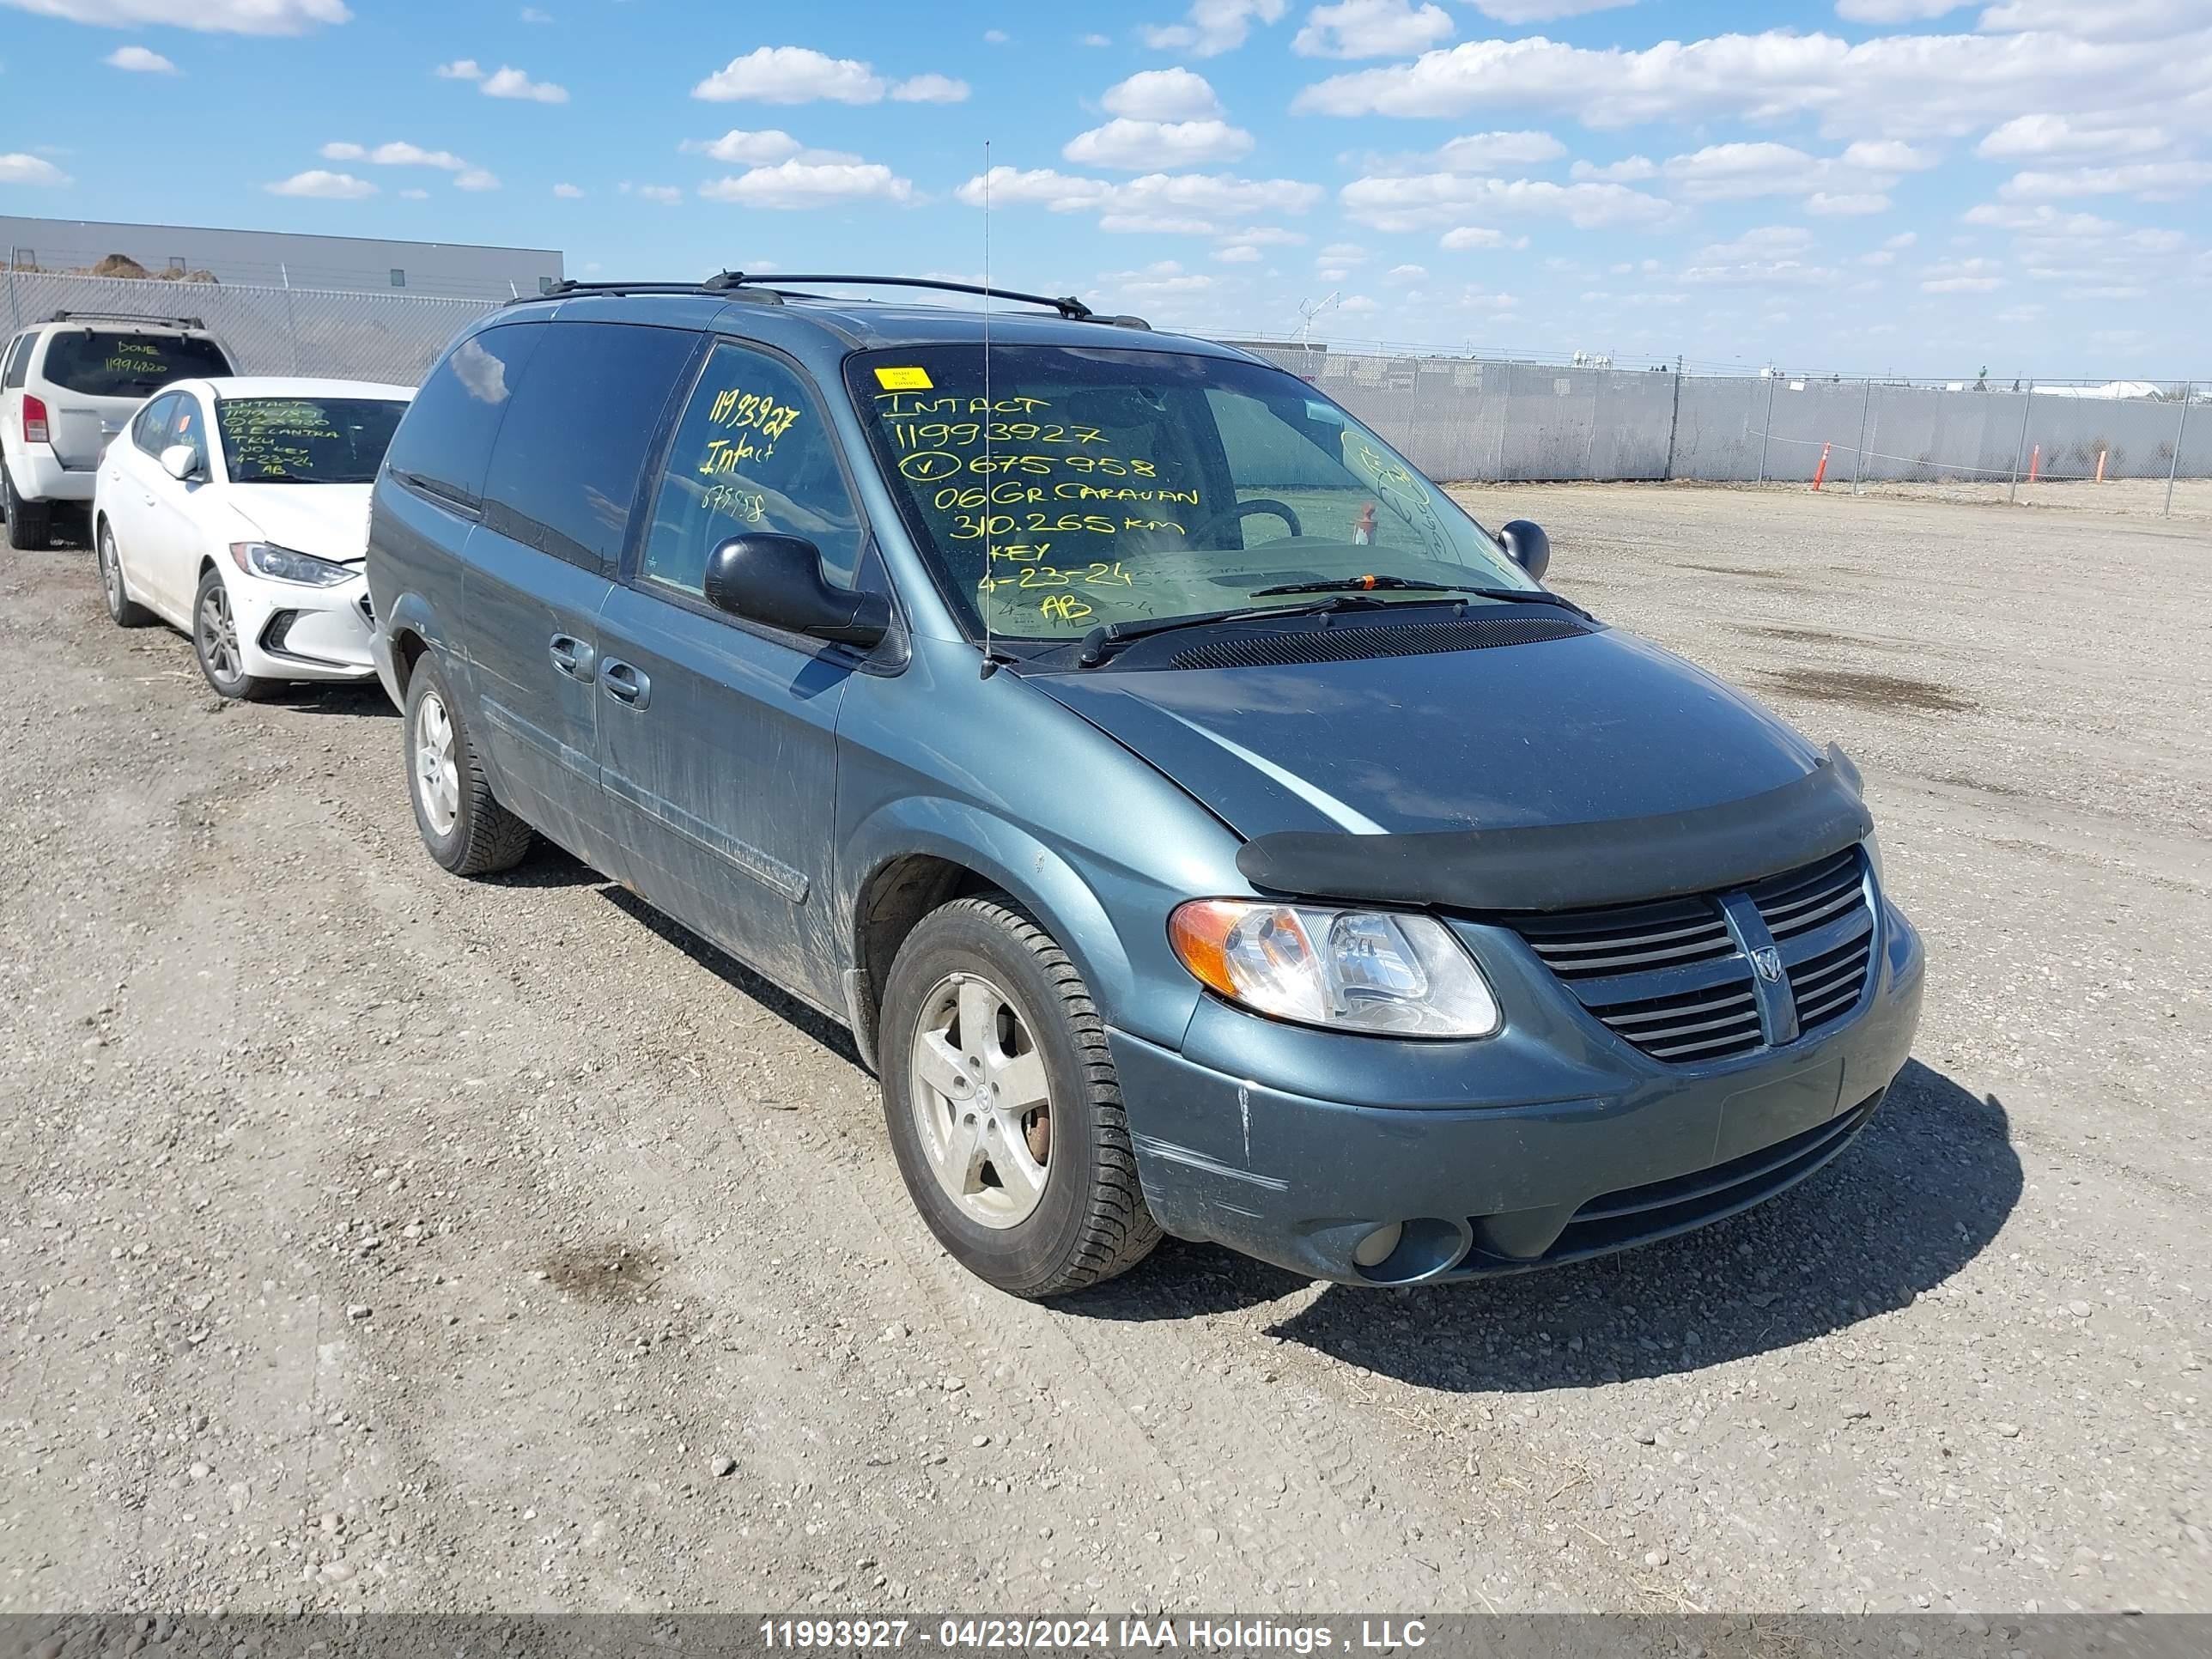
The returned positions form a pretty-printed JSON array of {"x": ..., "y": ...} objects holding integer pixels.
[
  {"x": 1460, "y": 419},
  {"x": 267, "y": 330}
]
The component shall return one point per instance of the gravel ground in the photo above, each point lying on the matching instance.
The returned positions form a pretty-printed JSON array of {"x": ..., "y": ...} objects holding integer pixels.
[{"x": 372, "y": 1239}]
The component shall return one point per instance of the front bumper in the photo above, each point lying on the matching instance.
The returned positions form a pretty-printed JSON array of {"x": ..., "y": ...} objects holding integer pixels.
[
  {"x": 1533, "y": 1148},
  {"x": 293, "y": 633}
]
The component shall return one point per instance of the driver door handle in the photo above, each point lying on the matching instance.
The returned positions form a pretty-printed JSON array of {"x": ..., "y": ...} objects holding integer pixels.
[
  {"x": 625, "y": 683},
  {"x": 571, "y": 657}
]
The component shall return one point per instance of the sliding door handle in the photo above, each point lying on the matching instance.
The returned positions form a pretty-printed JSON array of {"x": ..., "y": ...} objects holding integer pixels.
[
  {"x": 571, "y": 657},
  {"x": 625, "y": 683}
]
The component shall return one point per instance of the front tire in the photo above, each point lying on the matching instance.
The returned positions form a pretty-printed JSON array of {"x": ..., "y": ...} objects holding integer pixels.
[
  {"x": 125, "y": 611},
  {"x": 466, "y": 831},
  {"x": 1004, "y": 1109},
  {"x": 216, "y": 641},
  {"x": 30, "y": 524}
]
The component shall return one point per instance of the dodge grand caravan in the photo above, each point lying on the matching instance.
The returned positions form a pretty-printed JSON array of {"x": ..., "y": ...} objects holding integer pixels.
[{"x": 1203, "y": 825}]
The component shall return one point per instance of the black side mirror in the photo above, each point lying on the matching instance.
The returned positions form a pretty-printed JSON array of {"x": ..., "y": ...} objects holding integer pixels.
[
  {"x": 777, "y": 579},
  {"x": 1528, "y": 546}
]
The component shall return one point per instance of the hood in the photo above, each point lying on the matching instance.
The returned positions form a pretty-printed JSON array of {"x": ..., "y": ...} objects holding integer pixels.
[
  {"x": 1595, "y": 727},
  {"x": 330, "y": 521}
]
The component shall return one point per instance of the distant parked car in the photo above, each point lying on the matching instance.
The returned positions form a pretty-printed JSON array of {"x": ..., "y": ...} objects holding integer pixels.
[
  {"x": 238, "y": 510},
  {"x": 1204, "y": 825},
  {"x": 66, "y": 387}
]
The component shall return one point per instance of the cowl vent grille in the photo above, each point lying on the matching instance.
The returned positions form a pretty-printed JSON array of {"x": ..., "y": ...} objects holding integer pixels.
[{"x": 1359, "y": 641}]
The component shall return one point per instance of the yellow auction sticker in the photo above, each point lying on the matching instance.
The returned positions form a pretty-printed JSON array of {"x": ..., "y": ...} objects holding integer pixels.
[{"x": 904, "y": 379}]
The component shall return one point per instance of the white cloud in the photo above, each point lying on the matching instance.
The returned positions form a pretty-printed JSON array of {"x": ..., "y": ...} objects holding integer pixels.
[
  {"x": 1962, "y": 277},
  {"x": 1094, "y": 40},
  {"x": 531, "y": 15},
  {"x": 1189, "y": 198},
  {"x": 996, "y": 37},
  {"x": 2045, "y": 221},
  {"x": 2105, "y": 19},
  {"x": 414, "y": 195},
  {"x": 792, "y": 75},
  {"x": 1370, "y": 29},
  {"x": 1358, "y": 304},
  {"x": 323, "y": 185},
  {"x": 397, "y": 154},
  {"x": 1489, "y": 152},
  {"x": 1771, "y": 256},
  {"x": 139, "y": 60},
  {"x": 1168, "y": 95},
  {"x": 507, "y": 82},
  {"x": 1409, "y": 203},
  {"x": 1862, "y": 202},
  {"x": 1212, "y": 27},
  {"x": 1734, "y": 171},
  {"x": 476, "y": 178},
  {"x": 1343, "y": 253},
  {"x": 2038, "y": 137},
  {"x": 1893, "y": 85},
  {"x": 461, "y": 69},
  {"x": 1895, "y": 11},
  {"x": 1406, "y": 274},
  {"x": 666, "y": 195},
  {"x": 1902, "y": 238},
  {"x": 2153, "y": 180},
  {"x": 21, "y": 169},
  {"x": 1479, "y": 236},
  {"x": 1138, "y": 146},
  {"x": 930, "y": 89},
  {"x": 740, "y": 148},
  {"x": 1627, "y": 170},
  {"x": 1163, "y": 280},
  {"x": 1239, "y": 253},
  {"x": 797, "y": 183},
  {"x": 209, "y": 16},
  {"x": 568, "y": 192},
  {"x": 1543, "y": 11}
]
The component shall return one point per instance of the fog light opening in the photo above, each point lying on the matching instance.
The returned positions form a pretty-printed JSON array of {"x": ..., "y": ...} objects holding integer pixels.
[{"x": 1375, "y": 1249}]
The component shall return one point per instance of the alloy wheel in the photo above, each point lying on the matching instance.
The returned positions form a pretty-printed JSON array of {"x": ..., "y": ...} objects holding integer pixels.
[
  {"x": 218, "y": 636},
  {"x": 111, "y": 573},
  {"x": 982, "y": 1102},
  {"x": 437, "y": 775}
]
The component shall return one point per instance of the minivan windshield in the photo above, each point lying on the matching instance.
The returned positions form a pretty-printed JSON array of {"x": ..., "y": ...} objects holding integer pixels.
[
  {"x": 1100, "y": 485},
  {"x": 116, "y": 363},
  {"x": 306, "y": 441}
]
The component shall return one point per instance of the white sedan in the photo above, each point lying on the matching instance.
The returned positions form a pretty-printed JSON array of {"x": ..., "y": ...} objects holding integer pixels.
[{"x": 237, "y": 509}]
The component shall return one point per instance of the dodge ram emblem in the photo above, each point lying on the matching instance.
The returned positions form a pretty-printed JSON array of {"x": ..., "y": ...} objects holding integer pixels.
[{"x": 1768, "y": 960}]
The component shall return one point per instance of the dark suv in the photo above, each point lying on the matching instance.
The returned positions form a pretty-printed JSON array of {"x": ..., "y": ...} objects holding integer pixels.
[{"x": 1202, "y": 823}]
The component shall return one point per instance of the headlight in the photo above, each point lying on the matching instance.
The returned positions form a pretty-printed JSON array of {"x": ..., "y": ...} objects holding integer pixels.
[
  {"x": 1353, "y": 970},
  {"x": 281, "y": 564},
  {"x": 1872, "y": 848}
]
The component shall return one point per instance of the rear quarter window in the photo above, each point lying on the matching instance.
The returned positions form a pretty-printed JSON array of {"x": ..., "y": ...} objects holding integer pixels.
[
  {"x": 445, "y": 439},
  {"x": 105, "y": 363}
]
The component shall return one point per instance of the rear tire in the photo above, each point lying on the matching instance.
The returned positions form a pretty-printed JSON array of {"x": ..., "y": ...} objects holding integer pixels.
[
  {"x": 1021, "y": 1161},
  {"x": 30, "y": 524},
  {"x": 466, "y": 831},
  {"x": 125, "y": 611}
]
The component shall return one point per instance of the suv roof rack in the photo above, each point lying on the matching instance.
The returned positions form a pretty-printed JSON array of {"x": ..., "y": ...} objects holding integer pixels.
[
  {"x": 757, "y": 285},
  {"x": 125, "y": 317}
]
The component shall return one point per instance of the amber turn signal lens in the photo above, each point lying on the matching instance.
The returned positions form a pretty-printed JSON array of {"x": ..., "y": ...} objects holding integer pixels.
[{"x": 1200, "y": 934}]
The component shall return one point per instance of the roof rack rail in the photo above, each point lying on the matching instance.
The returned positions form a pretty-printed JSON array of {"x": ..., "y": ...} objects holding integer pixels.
[
  {"x": 567, "y": 287},
  {"x": 757, "y": 285},
  {"x": 125, "y": 317}
]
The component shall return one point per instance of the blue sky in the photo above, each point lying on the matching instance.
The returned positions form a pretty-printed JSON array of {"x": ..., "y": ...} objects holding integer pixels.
[{"x": 1861, "y": 185}]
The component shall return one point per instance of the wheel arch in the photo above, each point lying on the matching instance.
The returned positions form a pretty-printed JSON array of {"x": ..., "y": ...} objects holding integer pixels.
[{"x": 918, "y": 853}]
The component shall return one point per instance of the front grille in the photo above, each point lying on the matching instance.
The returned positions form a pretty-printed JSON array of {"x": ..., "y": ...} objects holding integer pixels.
[
  {"x": 1357, "y": 642},
  {"x": 1671, "y": 978}
]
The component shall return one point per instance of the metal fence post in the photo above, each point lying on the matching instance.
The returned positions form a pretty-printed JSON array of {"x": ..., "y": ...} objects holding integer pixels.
[
  {"x": 1504, "y": 415},
  {"x": 14, "y": 305},
  {"x": 2180, "y": 431},
  {"x": 1674, "y": 421},
  {"x": 2020, "y": 450},
  {"x": 1859, "y": 465},
  {"x": 1767, "y": 431}
]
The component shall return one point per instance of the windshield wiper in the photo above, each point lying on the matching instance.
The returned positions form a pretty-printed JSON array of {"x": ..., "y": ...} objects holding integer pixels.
[
  {"x": 1100, "y": 642},
  {"x": 1407, "y": 584}
]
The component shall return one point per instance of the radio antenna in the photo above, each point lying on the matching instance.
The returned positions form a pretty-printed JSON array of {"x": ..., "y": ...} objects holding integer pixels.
[{"x": 990, "y": 581}]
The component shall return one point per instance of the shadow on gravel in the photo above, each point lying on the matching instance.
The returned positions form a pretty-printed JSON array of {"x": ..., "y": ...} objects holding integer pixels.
[
  {"x": 1921, "y": 1193},
  {"x": 739, "y": 978},
  {"x": 365, "y": 702},
  {"x": 548, "y": 865}
]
